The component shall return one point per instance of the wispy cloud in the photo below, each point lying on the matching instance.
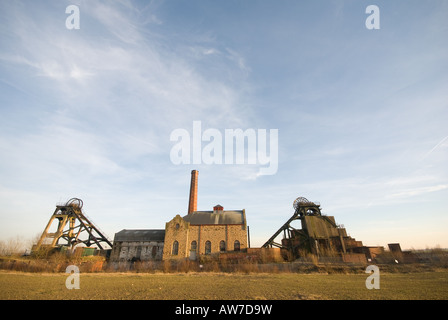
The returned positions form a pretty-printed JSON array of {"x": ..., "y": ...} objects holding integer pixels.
[
  {"x": 139, "y": 80},
  {"x": 418, "y": 191},
  {"x": 441, "y": 143}
]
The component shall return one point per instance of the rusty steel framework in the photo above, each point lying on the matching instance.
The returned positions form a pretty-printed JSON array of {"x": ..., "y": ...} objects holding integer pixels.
[
  {"x": 293, "y": 238},
  {"x": 73, "y": 228},
  {"x": 301, "y": 207}
]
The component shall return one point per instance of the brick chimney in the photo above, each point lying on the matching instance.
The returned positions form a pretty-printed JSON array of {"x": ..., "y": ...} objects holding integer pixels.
[
  {"x": 193, "y": 203},
  {"x": 218, "y": 208}
]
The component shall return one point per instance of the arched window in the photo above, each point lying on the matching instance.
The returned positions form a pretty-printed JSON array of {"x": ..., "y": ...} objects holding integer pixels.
[
  {"x": 236, "y": 245},
  {"x": 194, "y": 245},
  {"x": 222, "y": 246},
  {"x": 208, "y": 247},
  {"x": 175, "y": 248}
]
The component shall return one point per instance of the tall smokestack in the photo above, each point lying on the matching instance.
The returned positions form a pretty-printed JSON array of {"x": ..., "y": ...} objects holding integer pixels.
[{"x": 193, "y": 203}]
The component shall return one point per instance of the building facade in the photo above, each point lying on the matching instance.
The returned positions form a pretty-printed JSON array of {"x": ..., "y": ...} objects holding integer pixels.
[
  {"x": 138, "y": 245},
  {"x": 205, "y": 233}
]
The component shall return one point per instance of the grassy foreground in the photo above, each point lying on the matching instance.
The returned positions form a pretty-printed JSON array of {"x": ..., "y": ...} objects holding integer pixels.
[{"x": 217, "y": 286}]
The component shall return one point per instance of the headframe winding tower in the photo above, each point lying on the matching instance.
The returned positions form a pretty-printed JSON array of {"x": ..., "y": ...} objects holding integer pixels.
[
  {"x": 73, "y": 228},
  {"x": 318, "y": 233}
]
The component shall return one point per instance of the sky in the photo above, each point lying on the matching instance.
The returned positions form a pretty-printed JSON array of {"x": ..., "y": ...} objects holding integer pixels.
[{"x": 361, "y": 114}]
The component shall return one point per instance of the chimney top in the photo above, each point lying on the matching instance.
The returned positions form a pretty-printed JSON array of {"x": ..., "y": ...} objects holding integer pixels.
[{"x": 218, "y": 207}]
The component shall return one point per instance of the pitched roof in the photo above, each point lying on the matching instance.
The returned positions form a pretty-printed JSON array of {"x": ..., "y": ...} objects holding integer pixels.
[
  {"x": 214, "y": 217},
  {"x": 140, "y": 235}
]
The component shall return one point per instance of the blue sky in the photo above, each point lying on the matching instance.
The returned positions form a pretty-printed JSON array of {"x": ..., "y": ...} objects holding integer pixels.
[{"x": 361, "y": 114}]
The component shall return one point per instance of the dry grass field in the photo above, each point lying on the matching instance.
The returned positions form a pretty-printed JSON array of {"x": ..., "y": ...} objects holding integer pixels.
[
  {"x": 27, "y": 278},
  {"x": 218, "y": 286}
]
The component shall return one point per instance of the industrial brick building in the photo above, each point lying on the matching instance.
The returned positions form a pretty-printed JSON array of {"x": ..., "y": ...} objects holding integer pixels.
[
  {"x": 205, "y": 233},
  {"x": 197, "y": 233},
  {"x": 138, "y": 245}
]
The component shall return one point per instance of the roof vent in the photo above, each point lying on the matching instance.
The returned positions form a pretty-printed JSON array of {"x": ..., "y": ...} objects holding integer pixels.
[{"x": 218, "y": 207}]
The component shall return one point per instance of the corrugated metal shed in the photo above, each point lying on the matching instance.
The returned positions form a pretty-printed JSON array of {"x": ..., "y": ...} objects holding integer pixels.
[
  {"x": 140, "y": 235},
  {"x": 214, "y": 217}
]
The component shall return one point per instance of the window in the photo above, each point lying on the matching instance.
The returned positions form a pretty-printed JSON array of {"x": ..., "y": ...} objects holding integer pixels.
[
  {"x": 236, "y": 245},
  {"x": 175, "y": 248},
  {"x": 154, "y": 251},
  {"x": 177, "y": 226},
  {"x": 194, "y": 245},
  {"x": 208, "y": 247},
  {"x": 222, "y": 246}
]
